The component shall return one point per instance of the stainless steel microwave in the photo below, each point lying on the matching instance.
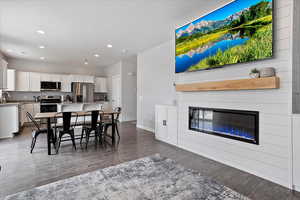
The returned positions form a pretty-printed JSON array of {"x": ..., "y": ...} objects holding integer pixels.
[{"x": 48, "y": 85}]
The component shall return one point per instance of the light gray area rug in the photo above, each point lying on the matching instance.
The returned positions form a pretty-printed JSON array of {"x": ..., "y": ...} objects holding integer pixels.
[{"x": 148, "y": 178}]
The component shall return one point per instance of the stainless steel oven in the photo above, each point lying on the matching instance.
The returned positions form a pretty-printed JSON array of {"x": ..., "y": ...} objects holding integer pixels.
[
  {"x": 48, "y": 107},
  {"x": 49, "y": 103}
]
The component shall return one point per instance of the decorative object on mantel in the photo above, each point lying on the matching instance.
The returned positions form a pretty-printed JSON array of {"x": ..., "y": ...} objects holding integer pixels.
[
  {"x": 254, "y": 73},
  {"x": 240, "y": 84},
  {"x": 267, "y": 72}
]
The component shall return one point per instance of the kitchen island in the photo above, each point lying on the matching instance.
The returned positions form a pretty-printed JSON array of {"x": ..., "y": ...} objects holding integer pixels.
[{"x": 9, "y": 119}]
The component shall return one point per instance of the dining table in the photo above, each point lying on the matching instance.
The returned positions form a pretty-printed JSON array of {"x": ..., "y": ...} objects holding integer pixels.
[{"x": 51, "y": 115}]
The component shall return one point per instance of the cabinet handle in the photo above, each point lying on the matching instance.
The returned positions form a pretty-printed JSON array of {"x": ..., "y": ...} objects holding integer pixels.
[{"x": 165, "y": 122}]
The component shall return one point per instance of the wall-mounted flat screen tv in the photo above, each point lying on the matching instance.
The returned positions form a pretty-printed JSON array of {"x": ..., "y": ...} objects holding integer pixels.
[{"x": 239, "y": 32}]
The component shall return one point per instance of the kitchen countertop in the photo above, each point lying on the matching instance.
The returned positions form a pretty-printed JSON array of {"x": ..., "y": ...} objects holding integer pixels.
[
  {"x": 9, "y": 104},
  {"x": 23, "y": 102},
  {"x": 12, "y": 103}
]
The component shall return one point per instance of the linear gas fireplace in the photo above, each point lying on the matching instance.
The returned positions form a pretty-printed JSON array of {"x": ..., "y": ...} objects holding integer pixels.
[{"x": 234, "y": 124}]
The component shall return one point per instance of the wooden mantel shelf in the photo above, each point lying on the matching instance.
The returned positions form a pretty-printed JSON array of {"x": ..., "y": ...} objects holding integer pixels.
[{"x": 241, "y": 84}]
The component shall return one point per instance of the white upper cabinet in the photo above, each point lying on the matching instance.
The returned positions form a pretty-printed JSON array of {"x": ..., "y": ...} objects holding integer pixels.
[
  {"x": 45, "y": 77},
  {"x": 56, "y": 77},
  {"x": 82, "y": 78},
  {"x": 31, "y": 81},
  {"x": 100, "y": 85},
  {"x": 28, "y": 81},
  {"x": 89, "y": 79},
  {"x": 11, "y": 80},
  {"x": 3, "y": 74},
  {"x": 75, "y": 78},
  {"x": 22, "y": 81},
  {"x": 34, "y": 81},
  {"x": 50, "y": 77},
  {"x": 66, "y": 82}
]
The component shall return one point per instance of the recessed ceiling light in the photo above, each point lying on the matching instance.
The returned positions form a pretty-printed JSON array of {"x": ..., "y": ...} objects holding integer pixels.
[
  {"x": 109, "y": 46},
  {"x": 40, "y": 32},
  {"x": 96, "y": 55},
  {"x": 42, "y": 47},
  {"x": 42, "y": 58},
  {"x": 86, "y": 62}
]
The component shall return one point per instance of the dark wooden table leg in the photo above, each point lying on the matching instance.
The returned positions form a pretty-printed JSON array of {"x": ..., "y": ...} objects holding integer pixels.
[
  {"x": 49, "y": 136},
  {"x": 113, "y": 131}
]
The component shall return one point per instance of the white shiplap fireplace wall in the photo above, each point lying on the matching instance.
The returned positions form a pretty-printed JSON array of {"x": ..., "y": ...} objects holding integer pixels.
[{"x": 271, "y": 159}]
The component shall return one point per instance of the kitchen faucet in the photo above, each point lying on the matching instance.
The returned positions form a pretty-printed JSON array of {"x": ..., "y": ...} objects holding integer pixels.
[{"x": 4, "y": 97}]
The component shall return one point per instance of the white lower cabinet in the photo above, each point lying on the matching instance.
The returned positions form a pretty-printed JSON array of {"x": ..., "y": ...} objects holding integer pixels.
[
  {"x": 32, "y": 108},
  {"x": 166, "y": 123}
]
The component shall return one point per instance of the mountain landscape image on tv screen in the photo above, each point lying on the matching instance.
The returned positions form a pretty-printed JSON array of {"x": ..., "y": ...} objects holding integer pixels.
[{"x": 236, "y": 33}]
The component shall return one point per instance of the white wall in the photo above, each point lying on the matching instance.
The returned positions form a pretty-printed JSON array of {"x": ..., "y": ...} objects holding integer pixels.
[
  {"x": 155, "y": 82},
  {"x": 127, "y": 69},
  {"x": 296, "y": 96},
  {"x": 129, "y": 88},
  {"x": 272, "y": 158},
  {"x": 34, "y": 66},
  {"x": 110, "y": 71},
  {"x": 296, "y": 58}
]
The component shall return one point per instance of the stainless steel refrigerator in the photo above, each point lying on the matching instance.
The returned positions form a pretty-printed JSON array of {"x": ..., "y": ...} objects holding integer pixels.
[{"x": 83, "y": 92}]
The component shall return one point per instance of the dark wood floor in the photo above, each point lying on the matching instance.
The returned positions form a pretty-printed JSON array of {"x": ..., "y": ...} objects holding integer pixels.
[{"x": 22, "y": 170}]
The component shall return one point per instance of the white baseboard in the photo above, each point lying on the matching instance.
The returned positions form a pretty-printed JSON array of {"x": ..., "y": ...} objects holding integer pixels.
[
  {"x": 296, "y": 188},
  {"x": 145, "y": 128},
  {"x": 234, "y": 165}
]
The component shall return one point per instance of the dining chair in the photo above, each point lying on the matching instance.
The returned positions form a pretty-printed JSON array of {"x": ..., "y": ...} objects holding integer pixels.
[
  {"x": 67, "y": 127},
  {"x": 72, "y": 107},
  {"x": 37, "y": 130},
  {"x": 91, "y": 123},
  {"x": 76, "y": 107},
  {"x": 108, "y": 123}
]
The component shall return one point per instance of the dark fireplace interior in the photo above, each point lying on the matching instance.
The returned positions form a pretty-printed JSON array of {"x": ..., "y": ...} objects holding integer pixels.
[{"x": 234, "y": 124}]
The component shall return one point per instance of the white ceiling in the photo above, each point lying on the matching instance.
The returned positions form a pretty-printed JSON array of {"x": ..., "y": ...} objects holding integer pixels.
[{"x": 77, "y": 29}]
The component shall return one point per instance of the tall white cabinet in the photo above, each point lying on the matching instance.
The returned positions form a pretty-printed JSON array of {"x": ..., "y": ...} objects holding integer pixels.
[
  {"x": 11, "y": 80},
  {"x": 66, "y": 83},
  {"x": 3, "y": 74},
  {"x": 166, "y": 124},
  {"x": 100, "y": 85}
]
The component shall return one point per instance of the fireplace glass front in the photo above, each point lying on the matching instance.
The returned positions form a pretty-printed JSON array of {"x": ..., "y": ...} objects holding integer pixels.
[{"x": 234, "y": 124}]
